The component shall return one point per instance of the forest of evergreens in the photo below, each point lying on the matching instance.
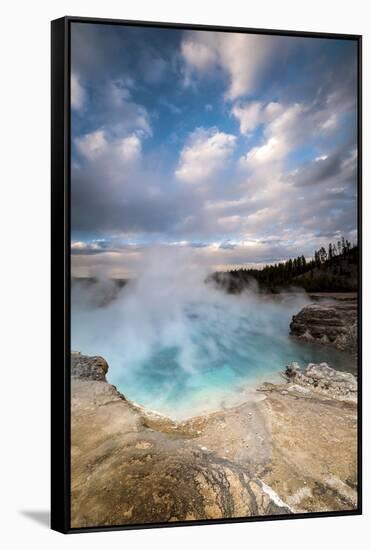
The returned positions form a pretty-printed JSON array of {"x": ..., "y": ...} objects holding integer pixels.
[{"x": 331, "y": 269}]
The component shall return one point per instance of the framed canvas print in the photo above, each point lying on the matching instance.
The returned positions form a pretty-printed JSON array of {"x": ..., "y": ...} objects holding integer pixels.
[{"x": 206, "y": 274}]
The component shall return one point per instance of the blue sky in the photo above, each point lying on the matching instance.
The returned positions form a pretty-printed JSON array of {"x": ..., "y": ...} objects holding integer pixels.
[{"x": 240, "y": 148}]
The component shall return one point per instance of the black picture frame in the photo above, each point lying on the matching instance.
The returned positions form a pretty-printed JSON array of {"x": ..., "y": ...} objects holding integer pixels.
[{"x": 61, "y": 270}]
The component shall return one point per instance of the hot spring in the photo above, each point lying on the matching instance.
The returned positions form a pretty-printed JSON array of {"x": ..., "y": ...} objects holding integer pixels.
[{"x": 183, "y": 349}]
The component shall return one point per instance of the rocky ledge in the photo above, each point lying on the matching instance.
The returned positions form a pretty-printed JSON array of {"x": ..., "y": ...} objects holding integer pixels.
[
  {"x": 291, "y": 448},
  {"x": 319, "y": 379},
  {"x": 333, "y": 323},
  {"x": 132, "y": 466},
  {"x": 88, "y": 368}
]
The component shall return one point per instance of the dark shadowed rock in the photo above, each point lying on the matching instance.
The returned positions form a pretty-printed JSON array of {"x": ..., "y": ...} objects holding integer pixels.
[
  {"x": 334, "y": 324},
  {"x": 88, "y": 368}
]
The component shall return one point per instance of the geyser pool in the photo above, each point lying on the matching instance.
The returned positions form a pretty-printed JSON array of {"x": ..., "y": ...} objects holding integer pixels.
[
  {"x": 182, "y": 351},
  {"x": 221, "y": 375}
]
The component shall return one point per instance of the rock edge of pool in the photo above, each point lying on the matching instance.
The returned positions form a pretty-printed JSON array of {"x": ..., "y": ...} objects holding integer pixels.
[{"x": 291, "y": 450}]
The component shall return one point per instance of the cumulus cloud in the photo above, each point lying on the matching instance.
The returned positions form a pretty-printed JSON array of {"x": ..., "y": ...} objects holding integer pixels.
[
  {"x": 281, "y": 132},
  {"x": 98, "y": 144},
  {"x": 249, "y": 115},
  {"x": 280, "y": 159},
  {"x": 117, "y": 110},
  {"x": 115, "y": 188},
  {"x": 200, "y": 51},
  {"x": 253, "y": 113},
  {"x": 94, "y": 247},
  {"x": 92, "y": 144},
  {"x": 130, "y": 148},
  {"x": 243, "y": 57},
  {"x": 78, "y": 93},
  {"x": 273, "y": 149},
  {"x": 286, "y": 127},
  {"x": 205, "y": 155}
]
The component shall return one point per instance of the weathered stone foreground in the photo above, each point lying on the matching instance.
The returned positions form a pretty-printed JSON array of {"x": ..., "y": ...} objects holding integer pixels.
[
  {"x": 333, "y": 323},
  {"x": 284, "y": 452},
  {"x": 317, "y": 379}
]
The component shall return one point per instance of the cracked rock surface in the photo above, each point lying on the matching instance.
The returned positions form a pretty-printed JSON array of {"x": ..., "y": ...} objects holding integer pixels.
[
  {"x": 333, "y": 323},
  {"x": 281, "y": 452}
]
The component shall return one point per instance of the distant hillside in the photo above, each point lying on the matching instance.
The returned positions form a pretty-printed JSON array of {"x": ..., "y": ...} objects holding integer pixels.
[{"x": 334, "y": 269}]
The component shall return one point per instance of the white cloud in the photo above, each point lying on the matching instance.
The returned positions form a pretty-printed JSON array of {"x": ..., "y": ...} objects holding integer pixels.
[
  {"x": 225, "y": 216},
  {"x": 253, "y": 113},
  {"x": 98, "y": 145},
  {"x": 82, "y": 246},
  {"x": 215, "y": 205},
  {"x": 121, "y": 114},
  {"x": 78, "y": 245},
  {"x": 282, "y": 132},
  {"x": 130, "y": 148},
  {"x": 331, "y": 122},
  {"x": 93, "y": 144},
  {"x": 205, "y": 154},
  {"x": 243, "y": 57},
  {"x": 249, "y": 116},
  {"x": 286, "y": 120},
  {"x": 230, "y": 223},
  {"x": 199, "y": 54},
  {"x": 285, "y": 128},
  {"x": 78, "y": 93},
  {"x": 272, "y": 150}
]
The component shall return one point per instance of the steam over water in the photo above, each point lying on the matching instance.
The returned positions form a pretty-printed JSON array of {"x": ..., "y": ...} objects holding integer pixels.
[{"x": 180, "y": 346}]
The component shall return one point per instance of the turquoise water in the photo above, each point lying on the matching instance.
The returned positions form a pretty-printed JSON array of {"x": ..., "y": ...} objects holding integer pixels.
[
  {"x": 237, "y": 362},
  {"x": 183, "y": 357}
]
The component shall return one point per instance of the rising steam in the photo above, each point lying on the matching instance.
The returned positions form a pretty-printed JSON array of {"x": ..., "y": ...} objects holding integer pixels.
[{"x": 172, "y": 340}]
